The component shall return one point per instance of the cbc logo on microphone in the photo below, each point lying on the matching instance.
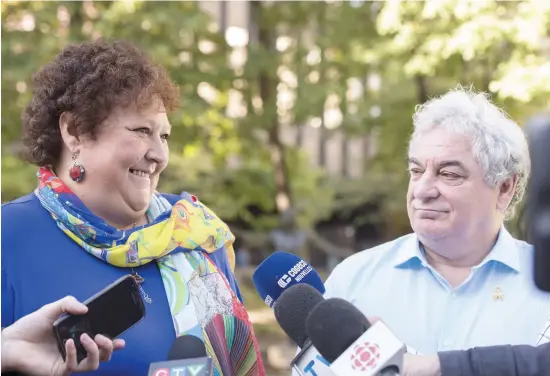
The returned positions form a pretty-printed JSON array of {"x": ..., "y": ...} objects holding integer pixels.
[
  {"x": 365, "y": 356},
  {"x": 284, "y": 281}
]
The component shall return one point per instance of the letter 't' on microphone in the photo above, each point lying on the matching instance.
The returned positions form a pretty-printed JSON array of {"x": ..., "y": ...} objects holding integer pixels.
[
  {"x": 292, "y": 309},
  {"x": 333, "y": 325},
  {"x": 280, "y": 271},
  {"x": 538, "y": 204}
]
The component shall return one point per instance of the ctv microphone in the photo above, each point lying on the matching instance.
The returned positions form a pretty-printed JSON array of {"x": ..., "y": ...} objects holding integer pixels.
[
  {"x": 344, "y": 336},
  {"x": 187, "y": 357},
  {"x": 538, "y": 204},
  {"x": 280, "y": 271},
  {"x": 291, "y": 311}
]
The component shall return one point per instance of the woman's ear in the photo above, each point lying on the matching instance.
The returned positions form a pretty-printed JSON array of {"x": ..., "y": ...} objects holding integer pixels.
[{"x": 70, "y": 139}]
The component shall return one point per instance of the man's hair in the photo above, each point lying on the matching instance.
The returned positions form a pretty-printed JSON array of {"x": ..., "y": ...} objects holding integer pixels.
[
  {"x": 498, "y": 143},
  {"x": 89, "y": 80}
]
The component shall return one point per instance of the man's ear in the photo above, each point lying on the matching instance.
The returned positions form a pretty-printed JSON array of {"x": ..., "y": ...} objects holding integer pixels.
[
  {"x": 70, "y": 139},
  {"x": 506, "y": 191}
]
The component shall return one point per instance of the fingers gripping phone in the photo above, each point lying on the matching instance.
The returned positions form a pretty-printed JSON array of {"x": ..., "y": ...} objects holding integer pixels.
[{"x": 111, "y": 312}]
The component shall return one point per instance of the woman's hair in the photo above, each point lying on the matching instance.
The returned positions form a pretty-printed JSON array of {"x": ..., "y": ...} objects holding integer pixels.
[
  {"x": 89, "y": 80},
  {"x": 498, "y": 143}
]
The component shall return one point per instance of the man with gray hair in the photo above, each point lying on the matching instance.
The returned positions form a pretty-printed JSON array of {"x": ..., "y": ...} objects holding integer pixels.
[{"x": 460, "y": 280}]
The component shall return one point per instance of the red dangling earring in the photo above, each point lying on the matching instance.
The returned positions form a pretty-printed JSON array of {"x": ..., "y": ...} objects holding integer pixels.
[{"x": 76, "y": 171}]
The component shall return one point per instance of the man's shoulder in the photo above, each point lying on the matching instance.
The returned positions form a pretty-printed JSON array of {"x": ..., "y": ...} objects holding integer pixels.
[
  {"x": 376, "y": 255},
  {"x": 525, "y": 252},
  {"x": 364, "y": 267},
  {"x": 523, "y": 245}
]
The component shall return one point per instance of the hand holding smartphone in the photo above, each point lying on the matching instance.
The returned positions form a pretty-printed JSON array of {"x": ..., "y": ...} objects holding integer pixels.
[{"x": 111, "y": 312}]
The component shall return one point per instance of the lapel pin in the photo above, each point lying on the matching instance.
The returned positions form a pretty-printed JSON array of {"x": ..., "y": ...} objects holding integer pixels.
[{"x": 498, "y": 295}]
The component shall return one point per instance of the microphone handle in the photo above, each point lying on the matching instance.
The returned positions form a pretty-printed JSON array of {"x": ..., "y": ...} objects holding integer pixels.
[{"x": 389, "y": 371}]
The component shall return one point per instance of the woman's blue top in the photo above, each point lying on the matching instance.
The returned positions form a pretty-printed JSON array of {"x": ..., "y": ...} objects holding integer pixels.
[{"x": 40, "y": 264}]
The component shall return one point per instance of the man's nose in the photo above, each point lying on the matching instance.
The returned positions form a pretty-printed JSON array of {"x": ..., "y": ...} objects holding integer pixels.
[{"x": 426, "y": 187}]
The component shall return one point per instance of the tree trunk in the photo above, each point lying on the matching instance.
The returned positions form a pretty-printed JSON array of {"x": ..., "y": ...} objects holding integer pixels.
[
  {"x": 268, "y": 93},
  {"x": 421, "y": 88}
]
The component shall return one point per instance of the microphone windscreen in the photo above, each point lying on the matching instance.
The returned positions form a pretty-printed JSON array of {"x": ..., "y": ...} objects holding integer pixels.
[
  {"x": 292, "y": 309},
  {"x": 187, "y": 347},
  {"x": 333, "y": 326},
  {"x": 280, "y": 271},
  {"x": 538, "y": 198}
]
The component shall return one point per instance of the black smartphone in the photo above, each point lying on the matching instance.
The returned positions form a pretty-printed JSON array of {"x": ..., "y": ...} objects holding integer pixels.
[{"x": 111, "y": 312}]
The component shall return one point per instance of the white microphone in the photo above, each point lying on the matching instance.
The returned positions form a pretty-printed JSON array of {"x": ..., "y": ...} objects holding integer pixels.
[
  {"x": 345, "y": 338},
  {"x": 309, "y": 362}
]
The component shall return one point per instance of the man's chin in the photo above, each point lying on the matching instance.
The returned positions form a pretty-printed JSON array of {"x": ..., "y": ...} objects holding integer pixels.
[{"x": 430, "y": 231}]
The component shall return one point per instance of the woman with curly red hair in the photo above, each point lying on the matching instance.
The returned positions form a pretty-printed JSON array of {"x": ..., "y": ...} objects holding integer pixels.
[{"x": 97, "y": 128}]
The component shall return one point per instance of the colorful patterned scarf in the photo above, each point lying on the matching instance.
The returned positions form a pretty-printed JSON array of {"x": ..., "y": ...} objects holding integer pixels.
[{"x": 179, "y": 238}]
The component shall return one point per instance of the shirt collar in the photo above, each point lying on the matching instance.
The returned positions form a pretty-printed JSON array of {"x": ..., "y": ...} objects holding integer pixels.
[{"x": 505, "y": 252}]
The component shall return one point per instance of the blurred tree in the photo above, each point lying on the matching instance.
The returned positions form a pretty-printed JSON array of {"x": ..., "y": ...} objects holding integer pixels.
[{"x": 357, "y": 67}]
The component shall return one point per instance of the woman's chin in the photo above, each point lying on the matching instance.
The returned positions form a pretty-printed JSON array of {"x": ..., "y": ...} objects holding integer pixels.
[{"x": 139, "y": 202}]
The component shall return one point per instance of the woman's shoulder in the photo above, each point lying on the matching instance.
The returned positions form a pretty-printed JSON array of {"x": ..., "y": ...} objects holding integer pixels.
[
  {"x": 21, "y": 206},
  {"x": 170, "y": 197},
  {"x": 173, "y": 198},
  {"x": 21, "y": 215}
]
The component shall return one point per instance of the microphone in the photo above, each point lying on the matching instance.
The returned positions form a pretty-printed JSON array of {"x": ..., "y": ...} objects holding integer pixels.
[
  {"x": 280, "y": 271},
  {"x": 187, "y": 347},
  {"x": 187, "y": 357},
  {"x": 538, "y": 204},
  {"x": 291, "y": 311},
  {"x": 345, "y": 337}
]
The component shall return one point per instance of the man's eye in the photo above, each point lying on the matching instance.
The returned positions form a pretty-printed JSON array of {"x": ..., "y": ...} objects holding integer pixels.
[
  {"x": 415, "y": 171},
  {"x": 142, "y": 130},
  {"x": 450, "y": 175},
  {"x": 165, "y": 136}
]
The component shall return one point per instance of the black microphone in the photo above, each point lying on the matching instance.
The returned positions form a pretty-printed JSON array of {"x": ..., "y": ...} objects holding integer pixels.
[
  {"x": 291, "y": 311},
  {"x": 538, "y": 204},
  {"x": 292, "y": 308},
  {"x": 344, "y": 336},
  {"x": 187, "y": 347},
  {"x": 187, "y": 356}
]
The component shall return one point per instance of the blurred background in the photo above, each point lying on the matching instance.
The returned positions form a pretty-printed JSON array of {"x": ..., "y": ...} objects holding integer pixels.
[{"x": 295, "y": 115}]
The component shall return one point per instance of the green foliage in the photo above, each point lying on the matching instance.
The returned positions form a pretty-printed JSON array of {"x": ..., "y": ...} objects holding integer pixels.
[{"x": 315, "y": 49}]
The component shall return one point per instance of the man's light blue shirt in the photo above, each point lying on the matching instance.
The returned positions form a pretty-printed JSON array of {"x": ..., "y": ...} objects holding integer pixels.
[{"x": 497, "y": 304}]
